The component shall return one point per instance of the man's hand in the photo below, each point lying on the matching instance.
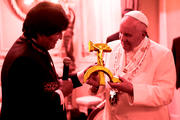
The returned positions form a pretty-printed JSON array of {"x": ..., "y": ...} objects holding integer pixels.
[
  {"x": 93, "y": 79},
  {"x": 124, "y": 86},
  {"x": 66, "y": 87}
]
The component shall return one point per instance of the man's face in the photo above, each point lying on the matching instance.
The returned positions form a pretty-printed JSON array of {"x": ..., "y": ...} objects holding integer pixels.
[
  {"x": 129, "y": 34},
  {"x": 49, "y": 42}
]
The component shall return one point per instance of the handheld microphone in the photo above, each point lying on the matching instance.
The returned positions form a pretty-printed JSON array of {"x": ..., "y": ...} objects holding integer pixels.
[{"x": 66, "y": 62}]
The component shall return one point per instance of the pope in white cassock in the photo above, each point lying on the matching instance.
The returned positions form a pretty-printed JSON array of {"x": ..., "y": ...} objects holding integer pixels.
[{"x": 147, "y": 72}]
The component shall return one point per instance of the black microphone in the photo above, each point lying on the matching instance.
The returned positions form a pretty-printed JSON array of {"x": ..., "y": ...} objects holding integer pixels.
[{"x": 66, "y": 62}]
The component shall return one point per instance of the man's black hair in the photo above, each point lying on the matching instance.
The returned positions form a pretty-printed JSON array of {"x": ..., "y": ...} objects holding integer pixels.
[{"x": 45, "y": 18}]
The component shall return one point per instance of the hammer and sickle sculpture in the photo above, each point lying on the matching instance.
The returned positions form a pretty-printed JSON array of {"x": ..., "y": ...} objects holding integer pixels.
[{"x": 100, "y": 48}]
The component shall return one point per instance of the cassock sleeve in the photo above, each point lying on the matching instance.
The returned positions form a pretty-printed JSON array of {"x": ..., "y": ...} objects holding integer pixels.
[{"x": 161, "y": 91}]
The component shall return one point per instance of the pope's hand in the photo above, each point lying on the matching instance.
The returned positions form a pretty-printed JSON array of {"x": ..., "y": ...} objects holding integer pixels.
[{"x": 123, "y": 86}]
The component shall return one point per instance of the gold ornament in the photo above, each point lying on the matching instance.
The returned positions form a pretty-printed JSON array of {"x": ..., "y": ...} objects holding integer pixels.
[{"x": 100, "y": 48}]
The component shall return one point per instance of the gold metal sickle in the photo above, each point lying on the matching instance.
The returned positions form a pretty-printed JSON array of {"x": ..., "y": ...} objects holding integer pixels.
[{"x": 100, "y": 48}]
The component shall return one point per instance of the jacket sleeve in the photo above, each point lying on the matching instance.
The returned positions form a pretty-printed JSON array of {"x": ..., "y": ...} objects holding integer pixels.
[
  {"x": 175, "y": 49},
  {"x": 75, "y": 80}
]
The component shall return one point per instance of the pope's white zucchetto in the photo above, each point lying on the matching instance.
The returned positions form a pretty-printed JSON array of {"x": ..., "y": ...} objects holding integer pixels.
[{"x": 139, "y": 16}]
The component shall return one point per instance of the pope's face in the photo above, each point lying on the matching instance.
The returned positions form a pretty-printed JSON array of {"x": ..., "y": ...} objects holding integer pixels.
[
  {"x": 49, "y": 42},
  {"x": 129, "y": 34}
]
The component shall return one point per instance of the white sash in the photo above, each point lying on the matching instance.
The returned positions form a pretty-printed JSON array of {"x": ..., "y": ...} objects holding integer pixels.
[{"x": 128, "y": 71}]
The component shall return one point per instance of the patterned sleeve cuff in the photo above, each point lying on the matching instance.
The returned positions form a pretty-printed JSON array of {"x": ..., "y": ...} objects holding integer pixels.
[
  {"x": 80, "y": 76},
  {"x": 61, "y": 96}
]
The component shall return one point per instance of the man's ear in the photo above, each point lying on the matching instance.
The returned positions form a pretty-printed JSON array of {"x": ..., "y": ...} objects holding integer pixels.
[{"x": 144, "y": 33}]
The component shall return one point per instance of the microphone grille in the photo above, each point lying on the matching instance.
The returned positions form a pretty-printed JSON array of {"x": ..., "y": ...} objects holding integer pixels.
[{"x": 67, "y": 60}]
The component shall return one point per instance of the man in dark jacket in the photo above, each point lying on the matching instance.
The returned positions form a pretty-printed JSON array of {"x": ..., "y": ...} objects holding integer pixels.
[
  {"x": 176, "y": 54},
  {"x": 30, "y": 85}
]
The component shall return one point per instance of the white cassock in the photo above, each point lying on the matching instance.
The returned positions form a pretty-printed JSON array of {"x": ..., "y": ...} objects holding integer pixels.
[{"x": 153, "y": 79}]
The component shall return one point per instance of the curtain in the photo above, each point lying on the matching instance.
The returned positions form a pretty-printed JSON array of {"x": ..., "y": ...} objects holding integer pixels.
[
  {"x": 132, "y": 4},
  {"x": 95, "y": 21}
]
